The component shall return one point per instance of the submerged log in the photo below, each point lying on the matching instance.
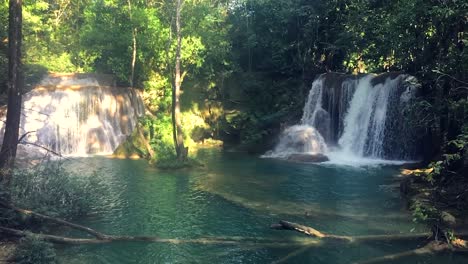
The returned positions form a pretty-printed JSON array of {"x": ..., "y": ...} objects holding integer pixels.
[
  {"x": 434, "y": 246},
  {"x": 285, "y": 225},
  {"x": 101, "y": 238},
  {"x": 88, "y": 230},
  {"x": 315, "y": 158}
]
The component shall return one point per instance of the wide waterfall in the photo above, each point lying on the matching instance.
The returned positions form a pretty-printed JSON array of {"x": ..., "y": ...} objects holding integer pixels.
[
  {"x": 354, "y": 116},
  {"x": 79, "y": 114}
]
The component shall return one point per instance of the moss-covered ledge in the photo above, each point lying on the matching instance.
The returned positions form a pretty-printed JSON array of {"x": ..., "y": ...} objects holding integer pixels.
[{"x": 136, "y": 146}]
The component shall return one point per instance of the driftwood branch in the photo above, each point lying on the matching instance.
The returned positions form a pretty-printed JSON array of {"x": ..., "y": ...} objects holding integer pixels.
[
  {"x": 55, "y": 220},
  {"x": 285, "y": 225},
  {"x": 239, "y": 241},
  {"x": 101, "y": 238},
  {"x": 42, "y": 147},
  {"x": 433, "y": 247}
]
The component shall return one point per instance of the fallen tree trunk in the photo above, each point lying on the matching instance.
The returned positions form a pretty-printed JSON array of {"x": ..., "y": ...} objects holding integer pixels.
[
  {"x": 240, "y": 241},
  {"x": 285, "y": 225},
  {"x": 88, "y": 230},
  {"x": 453, "y": 245},
  {"x": 101, "y": 238}
]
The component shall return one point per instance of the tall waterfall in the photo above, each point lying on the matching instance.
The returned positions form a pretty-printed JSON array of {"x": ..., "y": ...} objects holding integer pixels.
[
  {"x": 78, "y": 116},
  {"x": 356, "y": 116}
]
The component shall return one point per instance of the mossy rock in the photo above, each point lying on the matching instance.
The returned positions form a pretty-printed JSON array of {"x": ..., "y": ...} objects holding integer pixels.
[
  {"x": 448, "y": 219},
  {"x": 133, "y": 147}
]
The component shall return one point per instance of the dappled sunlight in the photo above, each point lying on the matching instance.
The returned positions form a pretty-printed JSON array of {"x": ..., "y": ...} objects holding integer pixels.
[{"x": 75, "y": 117}]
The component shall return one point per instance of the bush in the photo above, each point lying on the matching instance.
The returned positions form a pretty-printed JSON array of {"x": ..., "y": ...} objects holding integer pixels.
[
  {"x": 32, "y": 250},
  {"x": 50, "y": 189},
  {"x": 7, "y": 216},
  {"x": 423, "y": 212}
]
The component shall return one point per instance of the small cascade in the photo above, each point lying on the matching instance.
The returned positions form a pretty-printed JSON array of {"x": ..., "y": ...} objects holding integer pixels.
[
  {"x": 299, "y": 139},
  {"x": 355, "y": 116},
  {"x": 78, "y": 116}
]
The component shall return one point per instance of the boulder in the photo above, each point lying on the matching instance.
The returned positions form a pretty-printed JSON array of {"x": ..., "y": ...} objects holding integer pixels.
[
  {"x": 448, "y": 219},
  {"x": 315, "y": 158}
]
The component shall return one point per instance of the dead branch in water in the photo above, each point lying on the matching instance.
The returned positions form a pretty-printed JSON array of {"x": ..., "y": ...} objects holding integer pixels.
[
  {"x": 88, "y": 230},
  {"x": 433, "y": 247},
  {"x": 285, "y": 225},
  {"x": 242, "y": 241},
  {"x": 101, "y": 238}
]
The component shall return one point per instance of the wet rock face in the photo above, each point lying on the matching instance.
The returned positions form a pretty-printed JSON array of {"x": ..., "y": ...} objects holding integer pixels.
[{"x": 313, "y": 158}]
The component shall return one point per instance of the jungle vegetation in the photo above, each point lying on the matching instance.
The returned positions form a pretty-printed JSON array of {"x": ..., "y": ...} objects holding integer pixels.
[{"x": 244, "y": 67}]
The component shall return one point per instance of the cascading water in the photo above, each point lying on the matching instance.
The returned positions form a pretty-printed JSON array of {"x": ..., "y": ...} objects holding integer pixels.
[
  {"x": 76, "y": 116},
  {"x": 304, "y": 138},
  {"x": 299, "y": 139},
  {"x": 356, "y": 116}
]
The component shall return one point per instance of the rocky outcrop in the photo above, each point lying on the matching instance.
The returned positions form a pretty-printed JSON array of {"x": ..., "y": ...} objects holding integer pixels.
[{"x": 313, "y": 158}]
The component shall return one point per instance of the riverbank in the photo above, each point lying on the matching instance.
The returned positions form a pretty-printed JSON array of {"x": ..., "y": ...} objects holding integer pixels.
[{"x": 443, "y": 206}]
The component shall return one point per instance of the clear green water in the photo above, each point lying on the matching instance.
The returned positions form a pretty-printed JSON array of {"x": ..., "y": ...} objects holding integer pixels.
[{"x": 237, "y": 197}]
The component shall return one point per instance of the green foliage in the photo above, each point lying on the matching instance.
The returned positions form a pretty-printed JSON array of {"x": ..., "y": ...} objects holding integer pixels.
[
  {"x": 258, "y": 106},
  {"x": 7, "y": 216},
  {"x": 49, "y": 29},
  {"x": 160, "y": 129},
  {"x": 423, "y": 212},
  {"x": 32, "y": 250},
  {"x": 50, "y": 189},
  {"x": 450, "y": 163},
  {"x": 33, "y": 74}
]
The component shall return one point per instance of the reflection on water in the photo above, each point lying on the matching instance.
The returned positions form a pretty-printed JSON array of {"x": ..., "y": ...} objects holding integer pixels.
[{"x": 237, "y": 197}]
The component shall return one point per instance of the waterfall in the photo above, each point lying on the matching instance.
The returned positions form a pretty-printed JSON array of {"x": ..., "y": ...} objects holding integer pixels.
[
  {"x": 77, "y": 116},
  {"x": 299, "y": 139},
  {"x": 355, "y": 116}
]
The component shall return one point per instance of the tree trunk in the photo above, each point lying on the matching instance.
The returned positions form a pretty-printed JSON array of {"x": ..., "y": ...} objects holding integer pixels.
[
  {"x": 181, "y": 150},
  {"x": 15, "y": 84},
  {"x": 134, "y": 54},
  {"x": 134, "y": 45}
]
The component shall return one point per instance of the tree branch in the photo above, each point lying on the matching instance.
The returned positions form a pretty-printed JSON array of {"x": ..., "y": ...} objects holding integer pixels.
[{"x": 88, "y": 230}]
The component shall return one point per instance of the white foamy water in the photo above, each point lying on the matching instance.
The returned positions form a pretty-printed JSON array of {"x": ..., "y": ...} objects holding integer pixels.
[
  {"x": 338, "y": 157},
  {"x": 299, "y": 139}
]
